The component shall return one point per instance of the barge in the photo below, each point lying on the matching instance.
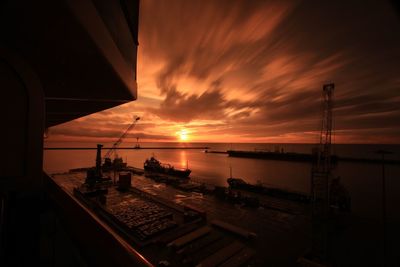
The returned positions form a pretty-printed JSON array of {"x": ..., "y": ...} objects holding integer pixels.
[{"x": 237, "y": 183}]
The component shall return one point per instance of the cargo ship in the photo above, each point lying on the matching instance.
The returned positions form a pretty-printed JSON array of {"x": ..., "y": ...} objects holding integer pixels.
[
  {"x": 155, "y": 166},
  {"x": 339, "y": 196},
  {"x": 237, "y": 183}
]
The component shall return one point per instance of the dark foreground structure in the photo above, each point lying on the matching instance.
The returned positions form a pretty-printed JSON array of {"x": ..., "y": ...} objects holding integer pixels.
[{"x": 59, "y": 60}]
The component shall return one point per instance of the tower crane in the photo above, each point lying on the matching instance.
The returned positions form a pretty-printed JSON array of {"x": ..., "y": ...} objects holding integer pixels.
[{"x": 113, "y": 149}]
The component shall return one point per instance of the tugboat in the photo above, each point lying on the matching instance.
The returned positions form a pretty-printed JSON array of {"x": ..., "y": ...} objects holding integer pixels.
[{"x": 154, "y": 165}]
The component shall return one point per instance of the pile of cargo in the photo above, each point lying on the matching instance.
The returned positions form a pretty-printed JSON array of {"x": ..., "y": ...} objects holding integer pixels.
[{"x": 144, "y": 218}]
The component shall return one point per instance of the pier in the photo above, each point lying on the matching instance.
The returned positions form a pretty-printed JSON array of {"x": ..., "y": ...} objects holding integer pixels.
[
  {"x": 207, "y": 239},
  {"x": 299, "y": 157}
]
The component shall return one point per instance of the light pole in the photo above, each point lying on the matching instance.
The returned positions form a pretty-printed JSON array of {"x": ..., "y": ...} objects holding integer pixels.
[{"x": 383, "y": 153}]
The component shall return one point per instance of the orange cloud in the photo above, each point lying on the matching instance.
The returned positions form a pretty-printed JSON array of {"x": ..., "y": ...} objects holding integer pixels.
[{"x": 252, "y": 71}]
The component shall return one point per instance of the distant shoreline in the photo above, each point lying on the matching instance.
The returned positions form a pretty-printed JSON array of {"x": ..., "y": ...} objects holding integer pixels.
[
  {"x": 211, "y": 142},
  {"x": 133, "y": 148}
]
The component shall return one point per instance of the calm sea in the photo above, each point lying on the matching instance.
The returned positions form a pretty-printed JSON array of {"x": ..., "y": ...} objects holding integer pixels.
[{"x": 364, "y": 181}]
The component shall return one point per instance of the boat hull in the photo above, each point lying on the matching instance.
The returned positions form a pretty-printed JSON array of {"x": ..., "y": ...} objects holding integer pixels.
[{"x": 172, "y": 172}]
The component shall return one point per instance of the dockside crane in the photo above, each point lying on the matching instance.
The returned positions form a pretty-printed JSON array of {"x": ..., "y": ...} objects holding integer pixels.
[
  {"x": 329, "y": 198},
  {"x": 321, "y": 176},
  {"x": 113, "y": 149}
]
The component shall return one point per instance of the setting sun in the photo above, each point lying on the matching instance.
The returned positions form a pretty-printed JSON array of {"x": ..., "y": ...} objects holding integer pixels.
[{"x": 183, "y": 135}]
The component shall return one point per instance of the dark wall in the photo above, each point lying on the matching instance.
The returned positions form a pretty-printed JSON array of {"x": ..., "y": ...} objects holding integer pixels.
[{"x": 21, "y": 135}]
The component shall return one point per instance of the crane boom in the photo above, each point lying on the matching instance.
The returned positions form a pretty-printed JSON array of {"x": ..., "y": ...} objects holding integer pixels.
[{"x": 118, "y": 142}]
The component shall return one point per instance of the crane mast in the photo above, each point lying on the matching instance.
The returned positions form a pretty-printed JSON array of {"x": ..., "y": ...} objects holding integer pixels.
[{"x": 321, "y": 178}]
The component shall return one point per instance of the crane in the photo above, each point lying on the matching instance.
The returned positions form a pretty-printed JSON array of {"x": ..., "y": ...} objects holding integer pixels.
[
  {"x": 321, "y": 178},
  {"x": 113, "y": 149}
]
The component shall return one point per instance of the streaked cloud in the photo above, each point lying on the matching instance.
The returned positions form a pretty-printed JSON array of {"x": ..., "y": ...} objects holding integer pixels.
[{"x": 253, "y": 71}]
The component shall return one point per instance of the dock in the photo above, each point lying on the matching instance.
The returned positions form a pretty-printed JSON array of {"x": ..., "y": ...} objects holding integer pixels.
[
  {"x": 160, "y": 229},
  {"x": 207, "y": 237},
  {"x": 216, "y": 151}
]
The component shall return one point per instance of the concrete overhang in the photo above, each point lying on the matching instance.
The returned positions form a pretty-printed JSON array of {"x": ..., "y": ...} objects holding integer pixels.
[{"x": 84, "y": 52}]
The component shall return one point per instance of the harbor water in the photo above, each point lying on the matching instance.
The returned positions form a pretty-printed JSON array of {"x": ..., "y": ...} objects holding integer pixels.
[{"x": 362, "y": 180}]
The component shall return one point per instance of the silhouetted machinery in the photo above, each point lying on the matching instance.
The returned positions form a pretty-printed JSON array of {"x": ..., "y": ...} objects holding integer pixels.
[
  {"x": 320, "y": 180},
  {"x": 95, "y": 175},
  {"x": 52, "y": 54},
  {"x": 327, "y": 193},
  {"x": 117, "y": 163}
]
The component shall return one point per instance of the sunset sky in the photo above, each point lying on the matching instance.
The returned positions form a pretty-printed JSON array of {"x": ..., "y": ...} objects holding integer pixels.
[{"x": 252, "y": 71}]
